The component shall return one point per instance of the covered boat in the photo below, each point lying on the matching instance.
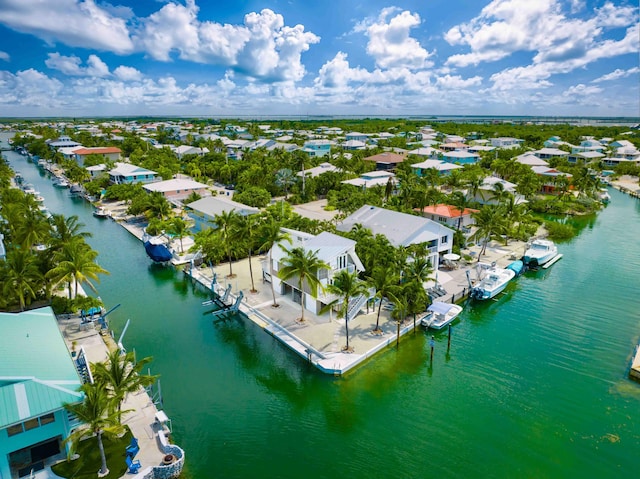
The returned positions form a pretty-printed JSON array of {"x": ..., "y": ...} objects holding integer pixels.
[
  {"x": 157, "y": 249},
  {"x": 517, "y": 267},
  {"x": 440, "y": 314}
]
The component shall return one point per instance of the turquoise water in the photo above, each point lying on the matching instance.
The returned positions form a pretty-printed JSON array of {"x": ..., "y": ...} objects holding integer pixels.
[{"x": 535, "y": 384}]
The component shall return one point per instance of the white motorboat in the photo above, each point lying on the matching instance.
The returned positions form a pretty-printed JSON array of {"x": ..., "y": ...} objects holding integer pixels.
[
  {"x": 60, "y": 182},
  {"x": 492, "y": 283},
  {"x": 604, "y": 195},
  {"x": 539, "y": 253},
  {"x": 440, "y": 315},
  {"x": 101, "y": 212}
]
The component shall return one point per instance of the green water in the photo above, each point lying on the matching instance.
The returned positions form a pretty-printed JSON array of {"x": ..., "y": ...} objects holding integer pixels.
[{"x": 535, "y": 384}]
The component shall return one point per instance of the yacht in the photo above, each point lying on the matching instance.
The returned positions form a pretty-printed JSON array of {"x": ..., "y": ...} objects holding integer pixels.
[
  {"x": 539, "y": 253},
  {"x": 492, "y": 283}
]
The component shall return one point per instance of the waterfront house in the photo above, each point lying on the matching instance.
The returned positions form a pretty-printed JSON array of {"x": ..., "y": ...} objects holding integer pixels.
[
  {"x": 615, "y": 161},
  {"x": 109, "y": 153},
  {"x": 461, "y": 157},
  {"x": 317, "y": 148},
  {"x": 126, "y": 173},
  {"x": 372, "y": 179},
  {"x": 486, "y": 194},
  {"x": 449, "y": 215},
  {"x": 549, "y": 178},
  {"x": 178, "y": 189},
  {"x": 402, "y": 229},
  {"x": 443, "y": 168},
  {"x": 37, "y": 377},
  {"x": 63, "y": 142},
  {"x": 386, "y": 161},
  {"x": 338, "y": 252},
  {"x": 204, "y": 210}
]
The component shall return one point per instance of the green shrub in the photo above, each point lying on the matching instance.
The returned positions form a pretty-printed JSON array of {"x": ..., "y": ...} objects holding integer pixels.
[{"x": 559, "y": 231}]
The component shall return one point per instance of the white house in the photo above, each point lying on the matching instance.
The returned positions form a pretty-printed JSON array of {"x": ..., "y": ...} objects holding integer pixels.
[
  {"x": 204, "y": 210},
  {"x": 402, "y": 229},
  {"x": 487, "y": 191},
  {"x": 505, "y": 142},
  {"x": 126, "y": 173},
  {"x": 318, "y": 170},
  {"x": 371, "y": 179},
  {"x": 338, "y": 252},
  {"x": 442, "y": 167}
]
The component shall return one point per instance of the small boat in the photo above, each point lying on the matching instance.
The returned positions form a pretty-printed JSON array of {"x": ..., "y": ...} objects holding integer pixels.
[
  {"x": 156, "y": 248},
  {"x": 101, "y": 212},
  {"x": 440, "y": 315},
  {"x": 76, "y": 190},
  {"x": 604, "y": 196},
  {"x": 540, "y": 252},
  {"x": 61, "y": 182},
  {"x": 493, "y": 283},
  {"x": 517, "y": 267}
]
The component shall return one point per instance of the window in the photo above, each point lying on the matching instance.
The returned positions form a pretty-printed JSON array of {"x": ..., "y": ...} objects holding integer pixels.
[
  {"x": 444, "y": 240},
  {"x": 47, "y": 419},
  {"x": 31, "y": 424},
  {"x": 15, "y": 429}
]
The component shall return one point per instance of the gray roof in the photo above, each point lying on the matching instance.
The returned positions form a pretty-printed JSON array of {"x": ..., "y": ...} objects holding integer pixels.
[
  {"x": 399, "y": 228},
  {"x": 213, "y": 205}
]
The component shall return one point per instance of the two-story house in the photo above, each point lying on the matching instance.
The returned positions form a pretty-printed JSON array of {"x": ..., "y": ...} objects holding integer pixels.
[
  {"x": 402, "y": 229},
  {"x": 317, "y": 148},
  {"x": 338, "y": 252},
  {"x": 37, "y": 377},
  {"x": 126, "y": 173}
]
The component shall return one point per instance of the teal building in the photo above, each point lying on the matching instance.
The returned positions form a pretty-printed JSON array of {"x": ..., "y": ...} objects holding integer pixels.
[{"x": 37, "y": 376}]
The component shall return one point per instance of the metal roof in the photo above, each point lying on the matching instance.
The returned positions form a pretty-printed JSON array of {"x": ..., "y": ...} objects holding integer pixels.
[{"x": 37, "y": 374}]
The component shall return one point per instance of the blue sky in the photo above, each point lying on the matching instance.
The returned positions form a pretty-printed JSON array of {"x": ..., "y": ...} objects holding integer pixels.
[{"x": 307, "y": 57}]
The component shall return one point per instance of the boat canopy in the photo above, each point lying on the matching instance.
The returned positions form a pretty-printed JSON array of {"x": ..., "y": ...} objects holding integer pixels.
[
  {"x": 157, "y": 252},
  {"x": 439, "y": 307}
]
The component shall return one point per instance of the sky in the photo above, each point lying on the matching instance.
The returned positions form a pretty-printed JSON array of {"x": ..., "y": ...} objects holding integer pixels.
[{"x": 319, "y": 57}]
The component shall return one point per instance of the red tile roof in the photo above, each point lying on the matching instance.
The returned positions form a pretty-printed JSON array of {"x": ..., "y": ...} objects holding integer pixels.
[
  {"x": 386, "y": 157},
  {"x": 447, "y": 211}
]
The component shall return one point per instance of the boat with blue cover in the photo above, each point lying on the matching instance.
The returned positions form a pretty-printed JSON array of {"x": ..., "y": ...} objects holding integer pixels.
[
  {"x": 517, "y": 267},
  {"x": 156, "y": 248}
]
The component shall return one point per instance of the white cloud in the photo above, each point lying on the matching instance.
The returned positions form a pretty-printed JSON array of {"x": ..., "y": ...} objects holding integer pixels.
[
  {"x": 4, "y": 56},
  {"x": 262, "y": 48},
  {"x": 390, "y": 44},
  {"x": 616, "y": 74},
  {"x": 337, "y": 73},
  {"x": 29, "y": 88},
  {"x": 126, "y": 73},
  {"x": 581, "y": 90},
  {"x": 96, "y": 67},
  {"x": 454, "y": 82},
  {"x": 67, "y": 65},
  {"x": 78, "y": 23},
  {"x": 507, "y": 26},
  {"x": 72, "y": 65}
]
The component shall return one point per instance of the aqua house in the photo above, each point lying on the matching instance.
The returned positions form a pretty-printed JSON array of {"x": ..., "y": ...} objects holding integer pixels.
[
  {"x": 317, "y": 148},
  {"x": 37, "y": 377}
]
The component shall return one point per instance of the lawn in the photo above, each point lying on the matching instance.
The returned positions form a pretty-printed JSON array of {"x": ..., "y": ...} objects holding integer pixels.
[{"x": 88, "y": 464}]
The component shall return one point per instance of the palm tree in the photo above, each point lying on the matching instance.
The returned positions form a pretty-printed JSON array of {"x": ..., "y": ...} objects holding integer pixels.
[
  {"x": 247, "y": 231},
  {"x": 489, "y": 221},
  {"x": 460, "y": 201},
  {"x": 303, "y": 265},
  {"x": 284, "y": 179},
  {"x": 346, "y": 285},
  {"x": 20, "y": 276},
  {"x": 269, "y": 235},
  {"x": 65, "y": 228},
  {"x": 76, "y": 264},
  {"x": 226, "y": 222},
  {"x": 33, "y": 228},
  {"x": 179, "y": 227},
  {"x": 99, "y": 417},
  {"x": 383, "y": 279},
  {"x": 210, "y": 244},
  {"x": 121, "y": 375}
]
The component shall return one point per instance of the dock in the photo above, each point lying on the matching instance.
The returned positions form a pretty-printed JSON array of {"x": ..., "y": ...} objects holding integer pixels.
[{"x": 634, "y": 372}]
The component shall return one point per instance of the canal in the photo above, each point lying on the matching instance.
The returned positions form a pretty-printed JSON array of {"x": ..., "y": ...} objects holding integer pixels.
[{"x": 535, "y": 384}]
